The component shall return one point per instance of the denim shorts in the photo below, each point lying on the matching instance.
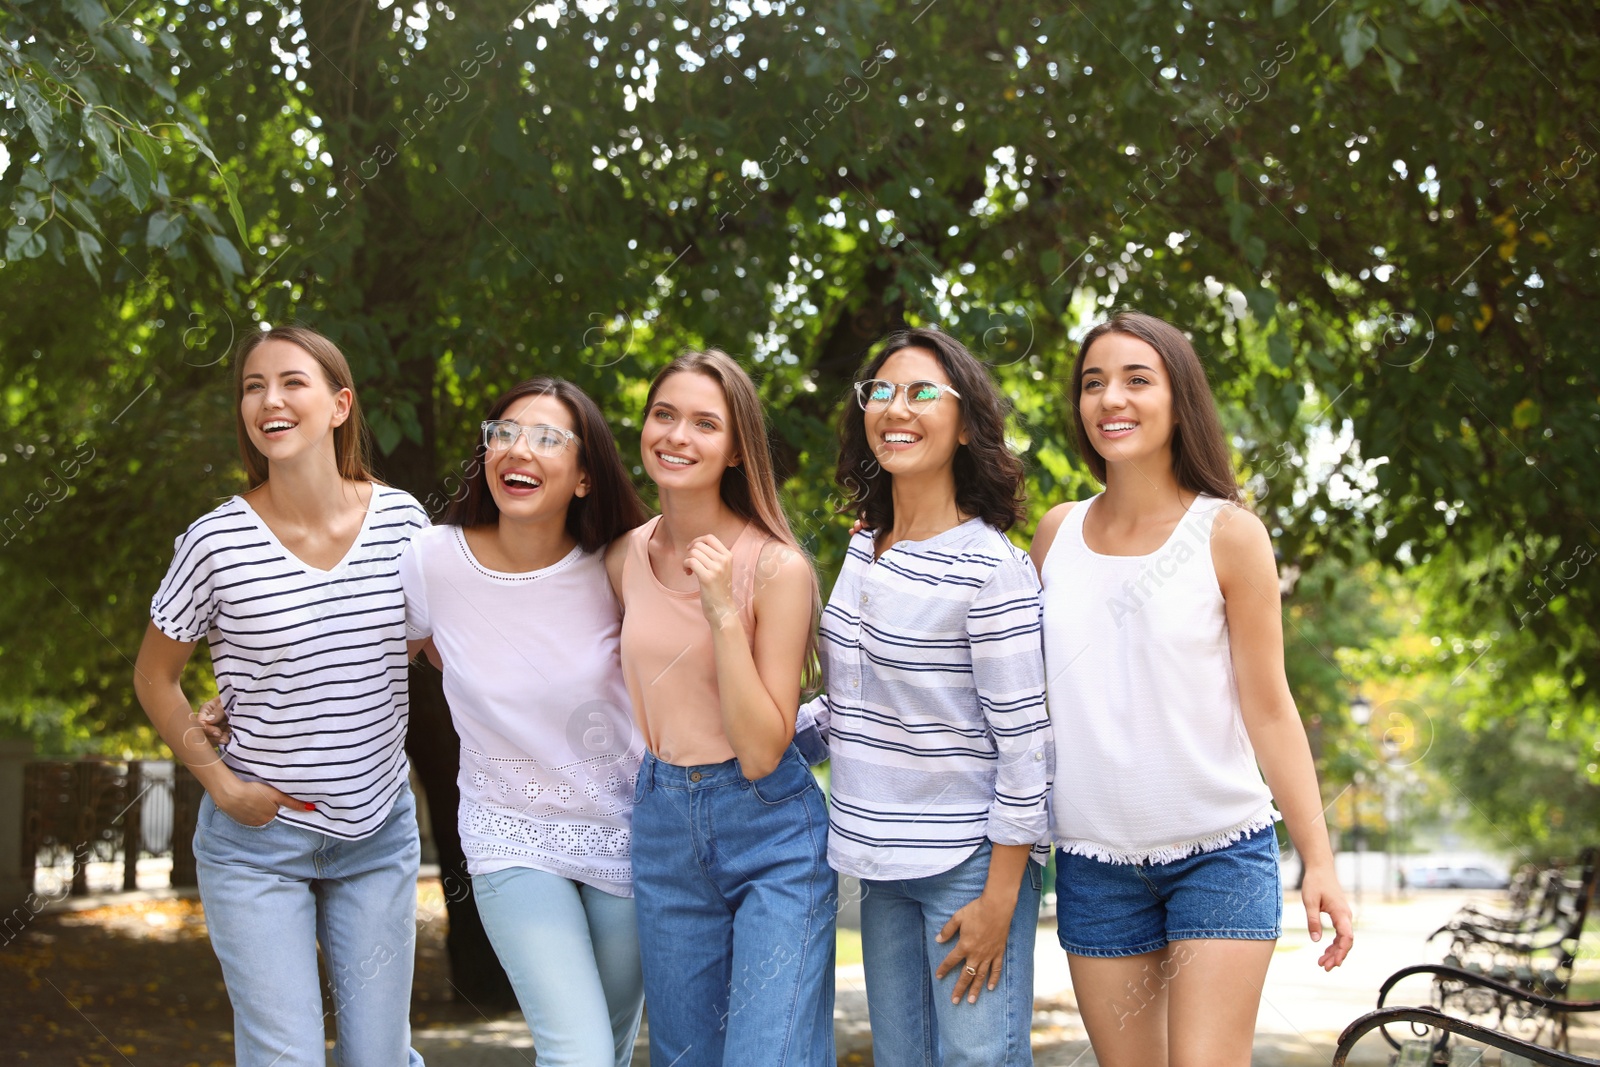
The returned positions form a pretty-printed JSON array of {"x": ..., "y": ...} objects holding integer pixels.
[{"x": 1126, "y": 909}]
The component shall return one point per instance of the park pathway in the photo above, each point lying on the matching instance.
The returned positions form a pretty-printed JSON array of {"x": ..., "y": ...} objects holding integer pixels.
[{"x": 1302, "y": 1011}]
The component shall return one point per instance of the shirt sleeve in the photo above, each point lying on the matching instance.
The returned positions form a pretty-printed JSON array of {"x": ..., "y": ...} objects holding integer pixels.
[
  {"x": 415, "y": 589},
  {"x": 814, "y": 712},
  {"x": 1004, "y": 627},
  {"x": 186, "y": 602}
]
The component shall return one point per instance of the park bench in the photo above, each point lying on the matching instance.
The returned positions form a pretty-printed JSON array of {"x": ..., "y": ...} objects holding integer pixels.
[
  {"x": 1423, "y": 1019},
  {"x": 1510, "y": 992},
  {"x": 1534, "y": 951},
  {"x": 1534, "y": 899}
]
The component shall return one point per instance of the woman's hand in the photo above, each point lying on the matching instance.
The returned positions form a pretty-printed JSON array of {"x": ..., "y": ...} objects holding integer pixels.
[
  {"x": 1320, "y": 893},
  {"x": 712, "y": 565},
  {"x": 214, "y": 722},
  {"x": 256, "y": 803},
  {"x": 984, "y": 926}
]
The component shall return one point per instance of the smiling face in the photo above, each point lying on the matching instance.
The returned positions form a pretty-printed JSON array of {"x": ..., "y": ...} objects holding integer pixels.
[
  {"x": 289, "y": 407},
  {"x": 1126, "y": 399},
  {"x": 688, "y": 439},
  {"x": 906, "y": 443},
  {"x": 528, "y": 487}
]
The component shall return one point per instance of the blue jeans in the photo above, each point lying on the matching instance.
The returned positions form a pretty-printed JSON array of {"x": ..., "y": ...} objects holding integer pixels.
[
  {"x": 736, "y": 915},
  {"x": 913, "y": 1022},
  {"x": 572, "y": 954},
  {"x": 272, "y": 894}
]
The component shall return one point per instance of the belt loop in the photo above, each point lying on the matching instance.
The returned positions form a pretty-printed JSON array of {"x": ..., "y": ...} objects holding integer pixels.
[{"x": 648, "y": 769}]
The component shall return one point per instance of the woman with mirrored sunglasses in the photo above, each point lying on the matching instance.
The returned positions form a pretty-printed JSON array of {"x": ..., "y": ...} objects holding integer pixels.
[
  {"x": 934, "y": 711},
  {"x": 511, "y": 591}
]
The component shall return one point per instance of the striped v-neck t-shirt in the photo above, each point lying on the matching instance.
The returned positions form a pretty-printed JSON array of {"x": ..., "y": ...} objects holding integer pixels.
[{"x": 311, "y": 664}]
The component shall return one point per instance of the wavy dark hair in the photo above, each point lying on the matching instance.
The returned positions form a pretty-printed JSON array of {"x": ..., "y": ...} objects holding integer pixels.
[
  {"x": 989, "y": 476},
  {"x": 612, "y": 506},
  {"x": 1200, "y": 458}
]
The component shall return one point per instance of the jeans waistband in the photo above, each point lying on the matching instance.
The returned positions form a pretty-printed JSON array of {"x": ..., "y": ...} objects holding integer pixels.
[{"x": 657, "y": 774}]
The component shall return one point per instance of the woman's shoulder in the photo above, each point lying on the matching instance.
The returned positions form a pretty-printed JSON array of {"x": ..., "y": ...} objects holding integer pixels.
[
  {"x": 432, "y": 540},
  {"x": 988, "y": 544},
  {"x": 1044, "y": 535},
  {"x": 389, "y": 502},
  {"x": 233, "y": 515}
]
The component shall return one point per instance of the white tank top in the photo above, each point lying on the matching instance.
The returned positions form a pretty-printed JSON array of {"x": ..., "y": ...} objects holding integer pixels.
[{"x": 1152, "y": 760}]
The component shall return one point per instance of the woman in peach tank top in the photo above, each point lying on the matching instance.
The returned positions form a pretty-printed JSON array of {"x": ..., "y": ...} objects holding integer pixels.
[{"x": 734, "y": 893}]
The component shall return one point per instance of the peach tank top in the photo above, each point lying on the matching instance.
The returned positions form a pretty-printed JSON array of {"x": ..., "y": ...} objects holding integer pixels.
[{"x": 668, "y": 661}]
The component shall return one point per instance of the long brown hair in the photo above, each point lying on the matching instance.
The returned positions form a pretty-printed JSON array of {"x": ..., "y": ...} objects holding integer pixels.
[
  {"x": 750, "y": 489},
  {"x": 612, "y": 506},
  {"x": 351, "y": 451},
  {"x": 1200, "y": 459},
  {"x": 988, "y": 475}
]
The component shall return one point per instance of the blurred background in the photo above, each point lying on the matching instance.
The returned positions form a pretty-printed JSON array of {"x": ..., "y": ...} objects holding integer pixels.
[{"x": 1377, "y": 219}]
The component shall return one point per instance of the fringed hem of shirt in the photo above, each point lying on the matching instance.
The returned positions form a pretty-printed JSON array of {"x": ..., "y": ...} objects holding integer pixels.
[{"x": 1172, "y": 853}]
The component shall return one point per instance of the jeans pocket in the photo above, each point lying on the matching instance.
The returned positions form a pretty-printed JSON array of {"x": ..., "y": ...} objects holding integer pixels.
[
  {"x": 229, "y": 822},
  {"x": 790, "y": 779}
]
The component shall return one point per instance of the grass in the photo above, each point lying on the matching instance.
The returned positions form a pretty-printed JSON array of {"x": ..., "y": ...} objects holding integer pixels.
[{"x": 849, "y": 946}]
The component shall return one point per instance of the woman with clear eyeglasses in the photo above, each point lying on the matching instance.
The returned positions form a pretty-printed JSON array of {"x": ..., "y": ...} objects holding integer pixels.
[
  {"x": 934, "y": 711},
  {"x": 511, "y": 591}
]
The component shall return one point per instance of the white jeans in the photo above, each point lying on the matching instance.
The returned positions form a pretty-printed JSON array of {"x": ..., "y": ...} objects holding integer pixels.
[
  {"x": 572, "y": 954},
  {"x": 272, "y": 894}
]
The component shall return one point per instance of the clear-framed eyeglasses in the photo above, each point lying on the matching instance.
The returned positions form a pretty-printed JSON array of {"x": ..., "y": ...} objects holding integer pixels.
[
  {"x": 500, "y": 435},
  {"x": 875, "y": 394}
]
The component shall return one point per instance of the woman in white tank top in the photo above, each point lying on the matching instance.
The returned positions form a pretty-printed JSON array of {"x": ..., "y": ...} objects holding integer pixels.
[{"x": 1164, "y": 665}]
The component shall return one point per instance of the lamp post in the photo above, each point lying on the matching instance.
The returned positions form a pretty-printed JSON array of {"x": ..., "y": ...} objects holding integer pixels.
[{"x": 1361, "y": 715}]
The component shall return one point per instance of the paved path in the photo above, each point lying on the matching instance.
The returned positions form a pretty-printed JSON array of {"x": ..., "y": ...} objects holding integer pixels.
[{"x": 1302, "y": 1011}]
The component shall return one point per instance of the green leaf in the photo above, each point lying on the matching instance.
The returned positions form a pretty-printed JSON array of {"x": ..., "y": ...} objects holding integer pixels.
[
  {"x": 225, "y": 255},
  {"x": 41, "y": 118},
  {"x": 23, "y": 243},
  {"x": 136, "y": 185},
  {"x": 163, "y": 230},
  {"x": 1525, "y": 415},
  {"x": 1394, "y": 40},
  {"x": 230, "y": 183},
  {"x": 61, "y": 163},
  {"x": 1223, "y": 183},
  {"x": 1434, "y": 8},
  {"x": 1394, "y": 69},
  {"x": 88, "y": 13},
  {"x": 1280, "y": 349},
  {"x": 1255, "y": 251},
  {"x": 1263, "y": 303},
  {"x": 89, "y": 249},
  {"x": 1281, "y": 8},
  {"x": 1050, "y": 263},
  {"x": 386, "y": 431},
  {"x": 1357, "y": 37}
]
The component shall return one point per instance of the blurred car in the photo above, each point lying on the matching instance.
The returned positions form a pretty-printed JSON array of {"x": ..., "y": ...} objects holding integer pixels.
[{"x": 1455, "y": 876}]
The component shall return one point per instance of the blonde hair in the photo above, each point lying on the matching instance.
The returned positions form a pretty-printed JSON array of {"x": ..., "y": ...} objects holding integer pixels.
[{"x": 351, "y": 451}]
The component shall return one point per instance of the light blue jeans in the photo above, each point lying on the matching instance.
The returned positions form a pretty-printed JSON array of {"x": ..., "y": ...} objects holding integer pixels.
[
  {"x": 736, "y": 915},
  {"x": 272, "y": 894},
  {"x": 572, "y": 954},
  {"x": 913, "y": 1022}
]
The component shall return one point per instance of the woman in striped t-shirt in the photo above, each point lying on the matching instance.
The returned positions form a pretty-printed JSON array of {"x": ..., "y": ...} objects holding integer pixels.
[
  {"x": 941, "y": 748},
  {"x": 307, "y": 834}
]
